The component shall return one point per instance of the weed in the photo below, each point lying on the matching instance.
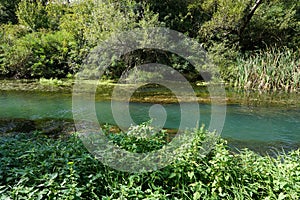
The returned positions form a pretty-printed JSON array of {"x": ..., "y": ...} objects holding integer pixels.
[{"x": 36, "y": 167}]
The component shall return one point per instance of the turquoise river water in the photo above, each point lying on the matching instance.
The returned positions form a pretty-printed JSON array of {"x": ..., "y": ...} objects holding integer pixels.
[{"x": 255, "y": 127}]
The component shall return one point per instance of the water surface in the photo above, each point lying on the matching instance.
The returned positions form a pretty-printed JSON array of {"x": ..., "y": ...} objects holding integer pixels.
[{"x": 245, "y": 125}]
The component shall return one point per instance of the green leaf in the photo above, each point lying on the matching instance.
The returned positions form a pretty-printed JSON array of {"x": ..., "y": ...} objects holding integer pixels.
[{"x": 196, "y": 196}]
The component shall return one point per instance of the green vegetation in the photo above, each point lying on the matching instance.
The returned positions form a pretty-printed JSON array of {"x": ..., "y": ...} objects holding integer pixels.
[
  {"x": 271, "y": 69},
  {"x": 50, "y": 39},
  {"x": 35, "y": 166},
  {"x": 254, "y": 44}
]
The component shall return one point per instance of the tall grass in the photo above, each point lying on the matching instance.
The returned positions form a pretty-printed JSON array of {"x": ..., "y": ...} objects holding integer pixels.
[
  {"x": 269, "y": 70},
  {"x": 38, "y": 167}
]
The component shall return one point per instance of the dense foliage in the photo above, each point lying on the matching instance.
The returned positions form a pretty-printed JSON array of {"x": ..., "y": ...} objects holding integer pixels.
[
  {"x": 40, "y": 167},
  {"x": 50, "y": 39}
]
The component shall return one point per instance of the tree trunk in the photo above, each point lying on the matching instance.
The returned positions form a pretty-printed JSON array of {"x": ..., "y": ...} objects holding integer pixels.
[{"x": 248, "y": 15}]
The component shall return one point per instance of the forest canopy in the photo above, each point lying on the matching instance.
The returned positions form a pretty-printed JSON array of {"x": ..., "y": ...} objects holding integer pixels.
[{"x": 51, "y": 38}]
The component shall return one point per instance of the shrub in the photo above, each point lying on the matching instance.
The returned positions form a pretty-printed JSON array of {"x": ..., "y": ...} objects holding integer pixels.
[
  {"x": 38, "y": 167},
  {"x": 39, "y": 54},
  {"x": 32, "y": 14},
  {"x": 8, "y": 35}
]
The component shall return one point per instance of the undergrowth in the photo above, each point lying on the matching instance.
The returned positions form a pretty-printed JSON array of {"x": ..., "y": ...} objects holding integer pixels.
[{"x": 38, "y": 167}]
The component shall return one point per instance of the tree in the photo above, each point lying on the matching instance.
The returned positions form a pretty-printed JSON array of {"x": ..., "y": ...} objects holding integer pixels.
[
  {"x": 249, "y": 12},
  {"x": 32, "y": 14},
  {"x": 39, "y": 54},
  {"x": 8, "y": 11},
  {"x": 41, "y": 14},
  {"x": 275, "y": 23}
]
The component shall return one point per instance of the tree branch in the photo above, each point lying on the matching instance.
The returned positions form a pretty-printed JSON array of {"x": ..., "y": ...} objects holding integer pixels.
[{"x": 246, "y": 19}]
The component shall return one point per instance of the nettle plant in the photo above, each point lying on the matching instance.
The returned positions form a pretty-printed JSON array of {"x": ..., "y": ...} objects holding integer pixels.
[
  {"x": 36, "y": 166},
  {"x": 140, "y": 138}
]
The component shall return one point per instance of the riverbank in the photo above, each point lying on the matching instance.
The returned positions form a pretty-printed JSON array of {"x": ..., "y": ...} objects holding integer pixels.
[
  {"x": 63, "y": 128},
  {"x": 154, "y": 93},
  {"x": 38, "y": 166}
]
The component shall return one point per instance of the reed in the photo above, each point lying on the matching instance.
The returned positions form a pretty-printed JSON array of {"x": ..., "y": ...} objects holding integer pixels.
[{"x": 269, "y": 70}]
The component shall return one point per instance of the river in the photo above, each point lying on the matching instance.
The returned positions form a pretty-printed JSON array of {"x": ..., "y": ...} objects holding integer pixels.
[{"x": 257, "y": 127}]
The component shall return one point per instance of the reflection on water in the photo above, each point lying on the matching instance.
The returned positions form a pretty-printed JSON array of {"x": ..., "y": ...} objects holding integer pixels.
[{"x": 256, "y": 126}]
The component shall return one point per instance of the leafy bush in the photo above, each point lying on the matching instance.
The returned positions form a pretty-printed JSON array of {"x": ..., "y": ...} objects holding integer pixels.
[
  {"x": 8, "y": 35},
  {"x": 38, "y": 15},
  {"x": 8, "y": 11},
  {"x": 39, "y": 54},
  {"x": 140, "y": 139},
  {"x": 32, "y": 14},
  {"x": 38, "y": 167},
  {"x": 224, "y": 57}
]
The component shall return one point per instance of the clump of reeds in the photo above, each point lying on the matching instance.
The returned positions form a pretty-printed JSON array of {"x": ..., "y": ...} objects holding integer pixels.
[{"x": 269, "y": 70}]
